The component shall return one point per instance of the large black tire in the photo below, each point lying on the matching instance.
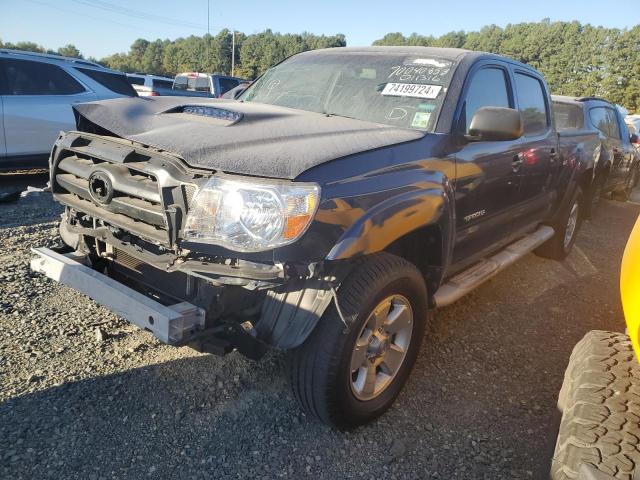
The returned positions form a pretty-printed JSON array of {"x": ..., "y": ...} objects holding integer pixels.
[
  {"x": 600, "y": 405},
  {"x": 321, "y": 368},
  {"x": 557, "y": 248}
]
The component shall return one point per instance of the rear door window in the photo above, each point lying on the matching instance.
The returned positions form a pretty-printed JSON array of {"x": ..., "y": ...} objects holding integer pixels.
[
  {"x": 614, "y": 127},
  {"x": 162, "y": 83},
  {"x": 488, "y": 88},
  {"x": 116, "y": 82},
  {"x": 532, "y": 104},
  {"x": 135, "y": 80},
  {"x": 25, "y": 77},
  {"x": 599, "y": 119}
]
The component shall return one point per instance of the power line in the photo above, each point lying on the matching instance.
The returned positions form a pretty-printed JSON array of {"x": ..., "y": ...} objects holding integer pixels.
[
  {"x": 140, "y": 15},
  {"x": 56, "y": 7}
]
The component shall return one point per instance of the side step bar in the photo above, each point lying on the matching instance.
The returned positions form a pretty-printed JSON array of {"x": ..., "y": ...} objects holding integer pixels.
[
  {"x": 463, "y": 283},
  {"x": 174, "y": 324}
]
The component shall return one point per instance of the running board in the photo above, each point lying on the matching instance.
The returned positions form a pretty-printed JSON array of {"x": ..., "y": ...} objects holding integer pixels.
[{"x": 463, "y": 283}]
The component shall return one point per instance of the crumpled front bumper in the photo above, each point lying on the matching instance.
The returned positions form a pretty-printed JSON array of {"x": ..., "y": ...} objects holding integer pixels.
[{"x": 173, "y": 324}]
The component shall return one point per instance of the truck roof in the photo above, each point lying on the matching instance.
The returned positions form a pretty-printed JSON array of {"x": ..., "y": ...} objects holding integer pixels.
[
  {"x": 459, "y": 55},
  {"x": 577, "y": 100},
  {"x": 451, "y": 53}
]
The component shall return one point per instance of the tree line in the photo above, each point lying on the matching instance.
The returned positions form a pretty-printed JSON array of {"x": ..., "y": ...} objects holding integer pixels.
[{"x": 576, "y": 59}]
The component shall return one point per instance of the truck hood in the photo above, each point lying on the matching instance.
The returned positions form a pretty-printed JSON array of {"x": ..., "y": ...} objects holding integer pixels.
[{"x": 238, "y": 137}]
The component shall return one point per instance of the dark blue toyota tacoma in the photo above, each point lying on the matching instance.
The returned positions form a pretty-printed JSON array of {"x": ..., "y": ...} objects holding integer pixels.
[{"x": 343, "y": 196}]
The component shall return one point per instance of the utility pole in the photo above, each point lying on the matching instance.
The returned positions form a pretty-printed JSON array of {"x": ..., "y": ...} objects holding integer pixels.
[
  {"x": 233, "y": 51},
  {"x": 208, "y": 34}
]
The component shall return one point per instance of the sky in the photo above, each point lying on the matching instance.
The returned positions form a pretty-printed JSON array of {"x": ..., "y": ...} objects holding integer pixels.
[{"x": 102, "y": 27}]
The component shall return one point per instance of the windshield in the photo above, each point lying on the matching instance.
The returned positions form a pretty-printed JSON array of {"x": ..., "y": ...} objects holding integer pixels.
[{"x": 392, "y": 89}]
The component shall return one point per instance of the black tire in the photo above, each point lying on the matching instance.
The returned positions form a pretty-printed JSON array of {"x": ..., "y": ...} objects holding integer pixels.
[
  {"x": 321, "y": 374},
  {"x": 556, "y": 248},
  {"x": 600, "y": 405}
]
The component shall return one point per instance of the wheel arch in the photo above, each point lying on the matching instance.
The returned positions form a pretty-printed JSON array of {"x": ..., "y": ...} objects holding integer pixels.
[{"x": 417, "y": 226}]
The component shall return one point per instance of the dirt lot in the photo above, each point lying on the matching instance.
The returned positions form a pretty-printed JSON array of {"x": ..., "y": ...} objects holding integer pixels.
[{"x": 85, "y": 395}]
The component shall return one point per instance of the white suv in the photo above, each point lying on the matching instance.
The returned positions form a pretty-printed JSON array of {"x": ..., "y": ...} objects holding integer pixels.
[{"x": 37, "y": 92}]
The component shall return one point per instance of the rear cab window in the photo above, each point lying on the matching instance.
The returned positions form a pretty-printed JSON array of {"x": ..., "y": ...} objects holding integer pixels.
[
  {"x": 192, "y": 82},
  {"x": 532, "y": 104},
  {"x": 26, "y": 77},
  {"x": 568, "y": 116},
  {"x": 116, "y": 82}
]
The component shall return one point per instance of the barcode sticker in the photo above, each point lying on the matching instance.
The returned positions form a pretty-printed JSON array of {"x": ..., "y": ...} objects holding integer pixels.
[{"x": 411, "y": 90}]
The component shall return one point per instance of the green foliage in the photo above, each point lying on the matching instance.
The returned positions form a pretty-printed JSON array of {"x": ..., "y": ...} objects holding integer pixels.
[
  {"x": 67, "y": 51},
  {"x": 253, "y": 53},
  {"x": 575, "y": 59}
]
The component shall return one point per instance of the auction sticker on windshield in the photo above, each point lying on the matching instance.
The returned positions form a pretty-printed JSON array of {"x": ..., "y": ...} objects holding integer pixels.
[{"x": 411, "y": 90}]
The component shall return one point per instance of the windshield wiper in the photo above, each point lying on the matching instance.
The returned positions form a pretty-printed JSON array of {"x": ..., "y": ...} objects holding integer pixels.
[{"x": 338, "y": 115}]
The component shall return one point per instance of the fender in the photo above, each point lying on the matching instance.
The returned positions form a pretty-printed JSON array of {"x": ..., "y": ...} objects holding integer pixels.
[{"x": 395, "y": 218}]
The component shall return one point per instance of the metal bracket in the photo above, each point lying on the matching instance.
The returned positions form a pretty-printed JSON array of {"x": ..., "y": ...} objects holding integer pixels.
[{"x": 173, "y": 324}]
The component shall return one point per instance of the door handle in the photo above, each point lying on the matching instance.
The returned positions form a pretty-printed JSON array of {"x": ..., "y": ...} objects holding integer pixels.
[{"x": 516, "y": 162}]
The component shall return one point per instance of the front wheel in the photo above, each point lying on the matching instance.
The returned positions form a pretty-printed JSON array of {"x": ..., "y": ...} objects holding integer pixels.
[{"x": 348, "y": 375}]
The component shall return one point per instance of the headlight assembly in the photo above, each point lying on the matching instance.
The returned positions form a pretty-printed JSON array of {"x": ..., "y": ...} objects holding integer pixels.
[{"x": 250, "y": 216}]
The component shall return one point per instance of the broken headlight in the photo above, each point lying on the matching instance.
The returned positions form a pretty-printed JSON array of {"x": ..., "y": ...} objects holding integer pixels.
[{"x": 250, "y": 216}]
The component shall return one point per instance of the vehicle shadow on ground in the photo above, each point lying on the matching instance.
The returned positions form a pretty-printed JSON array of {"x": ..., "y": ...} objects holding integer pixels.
[{"x": 178, "y": 417}]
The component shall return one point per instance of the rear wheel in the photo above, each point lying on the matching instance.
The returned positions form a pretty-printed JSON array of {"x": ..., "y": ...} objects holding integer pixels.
[
  {"x": 566, "y": 231},
  {"x": 349, "y": 375}
]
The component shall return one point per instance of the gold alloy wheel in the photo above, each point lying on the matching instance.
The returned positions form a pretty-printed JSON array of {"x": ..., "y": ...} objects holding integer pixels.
[{"x": 381, "y": 347}]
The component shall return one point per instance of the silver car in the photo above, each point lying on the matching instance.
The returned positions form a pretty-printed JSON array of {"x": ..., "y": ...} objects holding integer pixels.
[{"x": 37, "y": 92}]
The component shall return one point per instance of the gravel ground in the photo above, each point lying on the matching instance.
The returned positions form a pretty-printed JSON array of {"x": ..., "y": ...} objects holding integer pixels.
[{"x": 85, "y": 395}]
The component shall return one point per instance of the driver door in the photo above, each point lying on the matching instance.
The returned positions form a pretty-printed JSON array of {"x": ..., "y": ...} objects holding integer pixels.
[{"x": 487, "y": 172}]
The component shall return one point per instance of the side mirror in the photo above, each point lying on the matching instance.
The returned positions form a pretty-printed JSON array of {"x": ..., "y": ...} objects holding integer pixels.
[
  {"x": 634, "y": 138},
  {"x": 495, "y": 124}
]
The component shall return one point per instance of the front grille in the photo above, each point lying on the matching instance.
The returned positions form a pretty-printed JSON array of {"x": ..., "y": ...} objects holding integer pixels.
[{"x": 141, "y": 183}]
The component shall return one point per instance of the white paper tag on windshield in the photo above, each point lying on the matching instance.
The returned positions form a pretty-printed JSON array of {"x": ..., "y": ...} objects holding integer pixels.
[
  {"x": 429, "y": 61},
  {"x": 417, "y": 90}
]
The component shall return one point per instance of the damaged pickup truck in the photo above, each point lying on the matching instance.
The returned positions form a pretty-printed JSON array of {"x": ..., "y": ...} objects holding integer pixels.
[{"x": 344, "y": 195}]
